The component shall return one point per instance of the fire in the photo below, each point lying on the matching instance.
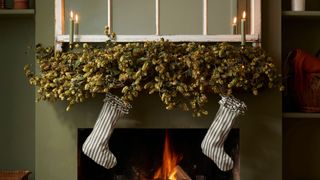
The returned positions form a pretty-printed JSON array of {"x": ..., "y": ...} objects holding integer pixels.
[{"x": 169, "y": 162}]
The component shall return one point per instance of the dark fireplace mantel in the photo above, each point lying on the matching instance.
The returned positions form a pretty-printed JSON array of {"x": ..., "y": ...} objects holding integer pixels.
[{"x": 139, "y": 154}]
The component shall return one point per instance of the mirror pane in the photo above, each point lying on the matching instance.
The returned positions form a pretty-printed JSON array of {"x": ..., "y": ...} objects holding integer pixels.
[
  {"x": 134, "y": 17},
  {"x": 93, "y": 15},
  {"x": 220, "y": 16},
  {"x": 180, "y": 17}
]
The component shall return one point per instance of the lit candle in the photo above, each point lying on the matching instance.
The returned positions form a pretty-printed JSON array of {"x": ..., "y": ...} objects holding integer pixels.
[
  {"x": 76, "y": 25},
  {"x": 157, "y": 17},
  {"x": 234, "y": 25},
  {"x": 243, "y": 29},
  {"x": 71, "y": 28}
]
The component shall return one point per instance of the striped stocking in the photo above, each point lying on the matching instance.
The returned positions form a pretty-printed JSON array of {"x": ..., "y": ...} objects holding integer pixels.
[
  {"x": 213, "y": 142},
  {"x": 96, "y": 145}
]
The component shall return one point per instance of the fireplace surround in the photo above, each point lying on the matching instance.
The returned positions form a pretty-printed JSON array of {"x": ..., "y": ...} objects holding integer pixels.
[{"x": 139, "y": 154}]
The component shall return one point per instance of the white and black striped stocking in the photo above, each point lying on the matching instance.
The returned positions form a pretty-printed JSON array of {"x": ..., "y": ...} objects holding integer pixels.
[
  {"x": 96, "y": 145},
  {"x": 213, "y": 143}
]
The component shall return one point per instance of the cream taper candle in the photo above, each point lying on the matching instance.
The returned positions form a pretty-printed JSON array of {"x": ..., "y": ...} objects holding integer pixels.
[
  {"x": 71, "y": 30},
  {"x": 76, "y": 25},
  {"x": 234, "y": 25},
  {"x": 243, "y": 29}
]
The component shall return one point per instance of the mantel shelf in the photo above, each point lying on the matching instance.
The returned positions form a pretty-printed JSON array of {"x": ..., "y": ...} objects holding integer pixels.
[
  {"x": 16, "y": 11},
  {"x": 173, "y": 38},
  {"x": 301, "y": 14},
  {"x": 299, "y": 115}
]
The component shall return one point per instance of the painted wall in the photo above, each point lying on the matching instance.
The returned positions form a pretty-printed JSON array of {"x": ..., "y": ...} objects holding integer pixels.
[
  {"x": 17, "y": 107},
  {"x": 56, "y": 130}
]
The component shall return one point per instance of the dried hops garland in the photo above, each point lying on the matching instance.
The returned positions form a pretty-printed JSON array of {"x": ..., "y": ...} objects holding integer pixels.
[{"x": 183, "y": 74}]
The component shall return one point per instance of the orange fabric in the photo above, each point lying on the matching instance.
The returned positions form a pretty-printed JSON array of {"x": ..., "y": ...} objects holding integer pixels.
[{"x": 304, "y": 65}]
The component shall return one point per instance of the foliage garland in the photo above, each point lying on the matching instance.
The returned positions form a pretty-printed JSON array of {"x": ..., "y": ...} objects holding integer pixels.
[{"x": 183, "y": 74}]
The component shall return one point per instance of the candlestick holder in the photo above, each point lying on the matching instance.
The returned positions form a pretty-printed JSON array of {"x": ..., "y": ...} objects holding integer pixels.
[{"x": 70, "y": 46}]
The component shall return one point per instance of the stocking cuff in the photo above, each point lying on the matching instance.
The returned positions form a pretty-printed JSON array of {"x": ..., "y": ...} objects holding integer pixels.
[
  {"x": 233, "y": 104},
  {"x": 117, "y": 103}
]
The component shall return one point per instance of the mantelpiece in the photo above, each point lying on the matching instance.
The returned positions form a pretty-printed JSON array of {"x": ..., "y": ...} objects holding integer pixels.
[
  {"x": 263, "y": 123},
  {"x": 205, "y": 68},
  {"x": 253, "y": 36}
]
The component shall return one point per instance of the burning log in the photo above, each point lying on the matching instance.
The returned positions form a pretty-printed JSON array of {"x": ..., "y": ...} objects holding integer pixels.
[
  {"x": 181, "y": 174},
  {"x": 177, "y": 174}
]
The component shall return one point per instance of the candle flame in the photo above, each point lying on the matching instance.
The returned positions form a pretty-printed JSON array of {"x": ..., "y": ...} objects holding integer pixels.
[
  {"x": 244, "y": 14},
  {"x": 234, "y": 20},
  {"x": 71, "y": 14},
  {"x": 76, "y": 18}
]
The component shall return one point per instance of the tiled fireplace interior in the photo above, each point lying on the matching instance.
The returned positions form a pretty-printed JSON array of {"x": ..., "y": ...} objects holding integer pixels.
[{"x": 140, "y": 154}]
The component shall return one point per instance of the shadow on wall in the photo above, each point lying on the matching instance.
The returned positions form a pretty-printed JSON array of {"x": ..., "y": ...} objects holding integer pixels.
[
  {"x": 80, "y": 115},
  {"x": 260, "y": 130},
  {"x": 147, "y": 112}
]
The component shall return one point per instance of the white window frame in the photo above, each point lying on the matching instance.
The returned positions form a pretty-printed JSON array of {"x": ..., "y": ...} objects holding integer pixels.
[{"x": 253, "y": 36}]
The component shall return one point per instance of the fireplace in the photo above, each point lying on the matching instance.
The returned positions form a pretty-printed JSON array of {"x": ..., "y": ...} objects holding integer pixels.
[{"x": 140, "y": 154}]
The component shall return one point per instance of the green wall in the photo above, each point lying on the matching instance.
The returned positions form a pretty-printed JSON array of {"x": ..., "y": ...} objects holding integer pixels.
[
  {"x": 261, "y": 145},
  {"x": 17, "y": 122}
]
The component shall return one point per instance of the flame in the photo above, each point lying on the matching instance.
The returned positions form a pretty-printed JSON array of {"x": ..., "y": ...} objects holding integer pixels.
[
  {"x": 71, "y": 14},
  {"x": 244, "y": 15},
  {"x": 235, "y": 20},
  {"x": 169, "y": 161},
  {"x": 76, "y": 18}
]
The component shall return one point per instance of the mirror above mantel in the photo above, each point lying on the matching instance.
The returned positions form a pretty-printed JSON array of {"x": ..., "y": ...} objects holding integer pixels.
[{"x": 148, "y": 20}]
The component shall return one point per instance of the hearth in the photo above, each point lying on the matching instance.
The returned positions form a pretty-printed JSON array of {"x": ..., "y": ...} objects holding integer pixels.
[{"x": 142, "y": 153}]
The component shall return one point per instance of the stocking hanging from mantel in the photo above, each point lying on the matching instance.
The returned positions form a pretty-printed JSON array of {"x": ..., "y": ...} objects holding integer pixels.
[
  {"x": 96, "y": 145},
  {"x": 213, "y": 142}
]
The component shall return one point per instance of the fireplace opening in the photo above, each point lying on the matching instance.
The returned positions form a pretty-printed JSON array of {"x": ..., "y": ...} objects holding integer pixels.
[{"x": 157, "y": 154}]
